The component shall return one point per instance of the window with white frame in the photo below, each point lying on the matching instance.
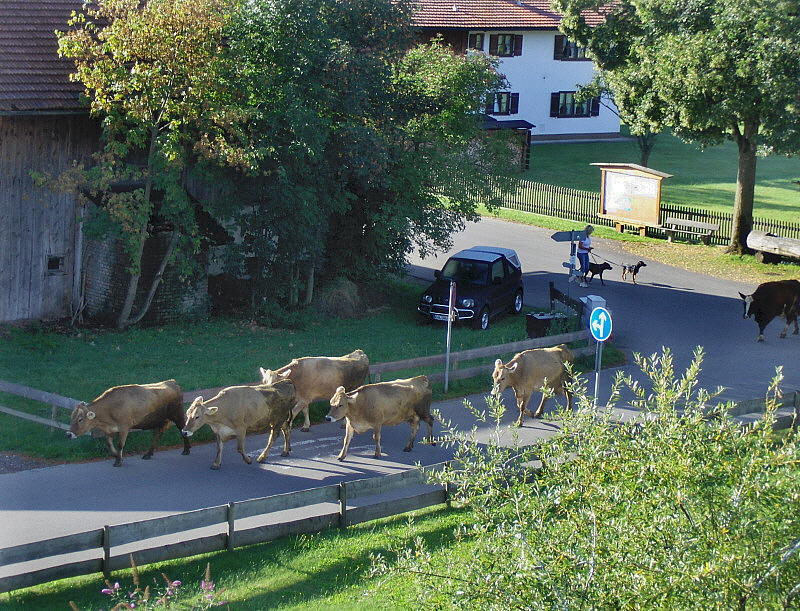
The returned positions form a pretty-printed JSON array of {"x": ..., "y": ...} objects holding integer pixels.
[
  {"x": 475, "y": 41},
  {"x": 566, "y": 50},
  {"x": 503, "y": 103},
  {"x": 505, "y": 45},
  {"x": 564, "y": 105}
]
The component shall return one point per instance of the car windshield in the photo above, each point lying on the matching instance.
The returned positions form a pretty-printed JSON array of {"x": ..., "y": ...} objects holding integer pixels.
[{"x": 460, "y": 270}]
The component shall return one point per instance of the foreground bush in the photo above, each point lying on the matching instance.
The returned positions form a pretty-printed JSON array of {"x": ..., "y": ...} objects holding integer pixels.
[{"x": 681, "y": 509}]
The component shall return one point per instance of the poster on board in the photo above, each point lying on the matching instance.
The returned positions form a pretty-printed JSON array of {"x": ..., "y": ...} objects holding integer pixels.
[{"x": 631, "y": 193}]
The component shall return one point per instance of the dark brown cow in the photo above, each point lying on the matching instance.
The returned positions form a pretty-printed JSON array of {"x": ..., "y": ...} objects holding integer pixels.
[
  {"x": 771, "y": 299},
  {"x": 316, "y": 378},
  {"x": 133, "y": 406},
  {"x": 382, "y": 404}
]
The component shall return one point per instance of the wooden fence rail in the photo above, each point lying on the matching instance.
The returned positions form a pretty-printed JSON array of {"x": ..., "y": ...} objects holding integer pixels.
[
  {"x": 584, "y": 206},
  {"x": 103, "y": 540}
]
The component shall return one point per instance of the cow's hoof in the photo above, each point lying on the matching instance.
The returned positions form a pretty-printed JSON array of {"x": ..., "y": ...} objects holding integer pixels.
[
  {"x": 147, "y": 456},
  {"x": 408, "y": 449},
  {"x": 340, "y": 458},
  {"x": 117, "y": 463},
  {"x": 248, "y": 460},
  {"x": 215, "y": 467},
  {"x": 185, "y": 453},
  {"x": 760, "y": 338},
  {"x": 284, "y": 454},
  {"x": 305, "y": 429},
  {"x": 262, "y": 460}
]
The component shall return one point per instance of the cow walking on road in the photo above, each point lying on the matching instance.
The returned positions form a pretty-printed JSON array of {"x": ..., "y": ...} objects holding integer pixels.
[
  {"x": 316, "y": 378},
  {"x": 373, "y": 406},
  {"x": 238, "y": 409},
  {"x": 531, "y": 370},
  {"x": 133, "y": 406},
  {"x": 771, "y": 299}
]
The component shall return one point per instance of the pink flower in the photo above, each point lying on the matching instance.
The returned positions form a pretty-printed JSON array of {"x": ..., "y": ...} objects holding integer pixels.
[
  {"x": 206, "y": 585},
  {"x": 107, "y": 591},
  {"x": 176, "y": 583}
]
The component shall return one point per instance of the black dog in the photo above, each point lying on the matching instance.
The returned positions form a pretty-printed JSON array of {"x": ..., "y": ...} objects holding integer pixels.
[
  {"x": 632, "y": 270},
  {"x": 597, "y": 268}
]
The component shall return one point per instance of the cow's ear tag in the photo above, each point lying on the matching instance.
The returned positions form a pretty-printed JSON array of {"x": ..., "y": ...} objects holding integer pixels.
[
  {"x": 211, "y": 410},
  {"x": 90, "y": 415}
]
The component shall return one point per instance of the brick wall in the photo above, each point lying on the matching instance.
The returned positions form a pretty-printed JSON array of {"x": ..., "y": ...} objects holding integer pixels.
[{"x": 106, "y": 282}]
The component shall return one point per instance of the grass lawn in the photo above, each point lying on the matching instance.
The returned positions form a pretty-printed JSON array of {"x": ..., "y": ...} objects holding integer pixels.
[
  {"x": 701, "y": 178},
  {"x": 324, "y": 571},
  {"x": 219, "y": 352}
]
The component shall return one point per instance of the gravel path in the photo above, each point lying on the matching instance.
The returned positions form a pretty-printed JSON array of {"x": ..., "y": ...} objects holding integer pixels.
[{"x": 11, "y": 463}]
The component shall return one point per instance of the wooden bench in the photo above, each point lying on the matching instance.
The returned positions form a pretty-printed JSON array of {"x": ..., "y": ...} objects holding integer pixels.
[{"x": 702, "y": 230}]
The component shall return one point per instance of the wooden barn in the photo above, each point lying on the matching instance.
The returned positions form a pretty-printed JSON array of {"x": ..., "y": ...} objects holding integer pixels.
[{"x": 43, "y": 127}]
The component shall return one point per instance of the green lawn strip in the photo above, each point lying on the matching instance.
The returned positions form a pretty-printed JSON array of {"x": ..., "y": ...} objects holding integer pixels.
[
  {"x": 702, "y": 178},
  {"x": 322, "y": 571}
]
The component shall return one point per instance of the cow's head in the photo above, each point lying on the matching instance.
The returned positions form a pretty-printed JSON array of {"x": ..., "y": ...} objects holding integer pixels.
[
  {"x": 748, "y": 301},
  {"x": 339, "y": 403},
  {"x": 268, "y": 376},
  {"x": 501, "y": 377},
  {"x": 196, "y": 416},
  {"x": 80, "y": 421}
]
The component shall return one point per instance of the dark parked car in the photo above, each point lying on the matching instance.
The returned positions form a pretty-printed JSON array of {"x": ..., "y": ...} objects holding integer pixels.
[{"x": 488, "y": 282}]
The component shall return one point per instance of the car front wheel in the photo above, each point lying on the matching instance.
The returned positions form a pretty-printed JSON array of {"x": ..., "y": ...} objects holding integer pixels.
[
  {"x": 482, "y": 322},
  {"x": 517, "y": 307}
]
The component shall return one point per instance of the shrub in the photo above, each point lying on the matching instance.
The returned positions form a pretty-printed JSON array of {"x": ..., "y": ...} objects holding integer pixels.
[{"x": 680, "y": 509}]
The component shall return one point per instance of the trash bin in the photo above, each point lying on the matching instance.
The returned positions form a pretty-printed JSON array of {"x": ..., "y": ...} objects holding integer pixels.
[{"x": 538, "y": 323}]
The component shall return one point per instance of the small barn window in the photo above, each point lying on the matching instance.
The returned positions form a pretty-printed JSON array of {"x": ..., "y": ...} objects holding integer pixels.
[{"x": 55, "y": 265}]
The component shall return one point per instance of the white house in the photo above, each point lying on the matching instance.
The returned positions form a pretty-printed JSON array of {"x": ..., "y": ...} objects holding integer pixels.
[{"x": 542, "y": 67}]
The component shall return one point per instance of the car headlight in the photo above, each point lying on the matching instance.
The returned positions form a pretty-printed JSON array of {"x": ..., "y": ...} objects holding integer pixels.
[
  {"x": 468, "y": 303},
  {"x": 427, "y": 298}
]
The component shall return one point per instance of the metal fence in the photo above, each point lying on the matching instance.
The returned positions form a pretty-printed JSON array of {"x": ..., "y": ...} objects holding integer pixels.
[{"x": 583, "y": 206}]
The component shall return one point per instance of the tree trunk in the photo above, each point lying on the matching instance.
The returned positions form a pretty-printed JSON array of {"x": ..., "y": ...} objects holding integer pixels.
[
  {"x": 646, "y": 143},
  {"x": 309, "y": 284},
  {"x": 745, "y": 188},
  {"x": 156, "y": 279},
  {"x": 123, "y": 320}
]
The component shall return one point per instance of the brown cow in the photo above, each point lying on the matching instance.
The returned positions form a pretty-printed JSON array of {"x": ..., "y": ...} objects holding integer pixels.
[
  {"x": 133, "y": 406},
  {"x": 235, "y": 410},
  {"x": 316, "y": 378},
  {"x": 771, "y": 299},
  {"x": 529, "y": 371},
  {"x": 385, "y": 403}
]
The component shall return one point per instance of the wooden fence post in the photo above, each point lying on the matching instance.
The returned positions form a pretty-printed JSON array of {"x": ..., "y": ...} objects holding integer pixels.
[
  {"x": 231, "y": 526},
  {"x": 447, "y": 500},
  {"x": 342, "y": 505},
  {"x": 53, "y": 411},
  {"x": 106, "y": 551}
]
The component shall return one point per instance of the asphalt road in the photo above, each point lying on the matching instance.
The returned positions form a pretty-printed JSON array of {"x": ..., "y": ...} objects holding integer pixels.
[{"x": 669, "y": 307}]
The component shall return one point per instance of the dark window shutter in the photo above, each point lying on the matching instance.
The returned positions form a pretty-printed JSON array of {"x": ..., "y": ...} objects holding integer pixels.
[
  {"x": 492, "y": 44},
  {"x": 518, "y": 44},
  {"x": 490, "y": 104},
  {"x": 554, "y": 104},
  {"x": 558, "y": 47},
  {"x": 514, "y": 105},
  {"x": 595, "y": 107}
]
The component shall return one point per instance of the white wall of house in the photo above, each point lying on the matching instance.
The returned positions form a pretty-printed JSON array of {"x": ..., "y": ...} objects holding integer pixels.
[{"x": 535, "y": 75}]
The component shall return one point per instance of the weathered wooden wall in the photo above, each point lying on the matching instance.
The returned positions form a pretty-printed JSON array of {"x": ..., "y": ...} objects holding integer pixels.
[{"x": 35, "y": 222}]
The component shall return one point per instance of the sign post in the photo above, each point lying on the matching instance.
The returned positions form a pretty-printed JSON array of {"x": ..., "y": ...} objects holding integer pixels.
[
  {"x": 572, "y": 237},
  {"x": 451, "y": 316},
  {"x": 600, "y": 326}
]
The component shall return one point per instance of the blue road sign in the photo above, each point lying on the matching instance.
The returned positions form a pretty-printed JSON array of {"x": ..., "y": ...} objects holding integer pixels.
[{"x": 600, "y": 324}]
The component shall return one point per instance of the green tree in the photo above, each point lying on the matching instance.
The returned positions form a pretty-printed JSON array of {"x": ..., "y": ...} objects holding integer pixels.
[
  {"x": 720, "y": 69},
  {"x": 344, "y": 132},
  {"x": 680, "y": 508},
  {"x": 642, "y": 117},
  {"x": 148, "y": 69}
]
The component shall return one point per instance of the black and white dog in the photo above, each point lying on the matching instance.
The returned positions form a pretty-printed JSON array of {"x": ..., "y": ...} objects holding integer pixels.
[{"x": 632, "y": 270}]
